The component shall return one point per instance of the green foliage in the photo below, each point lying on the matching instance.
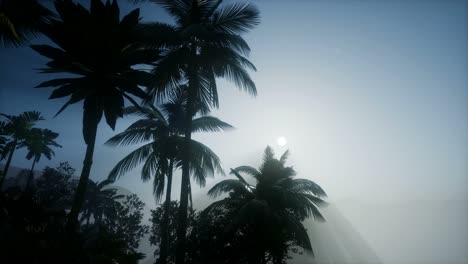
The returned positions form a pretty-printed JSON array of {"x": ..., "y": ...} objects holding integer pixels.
[
  {"x": 161, "y": 132},
  {"x": 38, "y": 143},
  {"x": 100, "y": 201},
  {"x": 13, "y": 133},
  {"x": 100, "y": 49},
  {"x": 267, "y": 216},
  {"x": 156, "y": 232},
  {"x": 55, "y": 187},
  {"x": 126, "y": 223}
]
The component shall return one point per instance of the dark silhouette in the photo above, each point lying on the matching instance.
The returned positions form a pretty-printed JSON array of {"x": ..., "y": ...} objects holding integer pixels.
[
  {"x": 207, "y": 46},
  {"x": 36, "y": 220},
  {"x": 270, "y": 212},
  {"x": 20, "y": 20},
  {"x": 38, "y": 143},
  {"x": 164, "y": 131},
  {"x": 99, "y": 47},
  {"x": 100, "y": 201},
  {"x": 18, "y": 129},
  {"x": 126, "y": 222}
]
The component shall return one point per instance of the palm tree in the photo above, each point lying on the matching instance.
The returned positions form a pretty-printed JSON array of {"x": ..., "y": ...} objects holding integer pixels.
[
  {"x": 164, "y": 131},
  {"x": 18, "y": 128},
  {"x": 100, "y": 48},
  {"x": 100, "y": 201},
  {"x": 273, "y": 208},
  {"x": 38, "y": 143},
  {"x": 20, "y": 20},
  {"x": 209, "y": 46}
]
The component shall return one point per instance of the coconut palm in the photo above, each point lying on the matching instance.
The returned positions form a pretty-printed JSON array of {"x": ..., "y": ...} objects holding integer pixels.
[
  {"x": 162, "y": 132},
  {"x": 271, "y": 210},
  {"x": 209, "y": 46},
  {"x": 17, "y": 128},
  {"x": 99, "y": 49},
  {"x": 39, "y": 143},
  {"x": 20, "y": 20},
  {"x": 100, "y": 201}
]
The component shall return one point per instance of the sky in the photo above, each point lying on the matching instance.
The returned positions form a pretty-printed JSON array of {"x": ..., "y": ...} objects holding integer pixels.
[{"x": 371, "y": 96}]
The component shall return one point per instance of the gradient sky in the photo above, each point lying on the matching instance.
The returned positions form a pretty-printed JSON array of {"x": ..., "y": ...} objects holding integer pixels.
[{"x": 372, "y": 97}]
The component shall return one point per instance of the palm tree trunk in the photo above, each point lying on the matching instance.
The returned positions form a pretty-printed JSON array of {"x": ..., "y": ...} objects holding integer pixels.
[
  {"x": 165, "y": 222},
  {"x": 31, "y": 175},
  {"x": 190, "y": 195},
  {"x": 7, "y": 165},
  {"x": 84, "y": 178},
  {"x": 184, "y": 190}
]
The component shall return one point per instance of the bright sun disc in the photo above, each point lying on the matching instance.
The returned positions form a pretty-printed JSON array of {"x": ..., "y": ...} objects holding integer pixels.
[{"x": 281, "y": 141}]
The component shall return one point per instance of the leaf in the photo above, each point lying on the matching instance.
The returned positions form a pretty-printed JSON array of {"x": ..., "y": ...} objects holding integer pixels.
[
  {"x": 209, "y": 124},
  {"x": 236, "y": 18}
]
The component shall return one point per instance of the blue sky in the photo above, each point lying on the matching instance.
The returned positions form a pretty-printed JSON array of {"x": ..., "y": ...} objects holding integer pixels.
[{"x": 372, "y": 97}]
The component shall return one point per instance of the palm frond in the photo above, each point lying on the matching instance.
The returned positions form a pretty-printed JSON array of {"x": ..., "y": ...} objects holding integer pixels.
[
  {"x": 247, "y": 169},
  {"x": 132, "y": 160},
  {"x": 236, "y": 18},
  {"x": 304, "y": 185},
  {"x": 227, "y": 186},
  {"x": 209, "y": 124}
]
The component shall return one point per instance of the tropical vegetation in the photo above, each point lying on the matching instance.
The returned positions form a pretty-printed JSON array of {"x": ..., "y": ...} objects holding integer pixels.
[{"x": 165, "y": 76}]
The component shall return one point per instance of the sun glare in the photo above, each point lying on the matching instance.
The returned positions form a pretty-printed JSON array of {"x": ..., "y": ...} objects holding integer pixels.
[{"x": 281, "y": 141}]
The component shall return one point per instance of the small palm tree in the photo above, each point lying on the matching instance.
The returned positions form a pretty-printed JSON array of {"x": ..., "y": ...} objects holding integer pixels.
[
  {"x": 162, "y": 133},
  {"x": 20, "y": 20},
  {"x": 100, "y": 49},
  {"x": 39, "y": 143},
  {"x": 17, "y": 128},
  {"x": 100, "y": 201},
  {"x": 208, "y": 46},
  {"x": 272, "y": 209}
]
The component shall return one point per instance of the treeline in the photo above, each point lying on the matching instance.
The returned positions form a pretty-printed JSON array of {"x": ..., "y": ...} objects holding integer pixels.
[{"x": 166, "y": 75}]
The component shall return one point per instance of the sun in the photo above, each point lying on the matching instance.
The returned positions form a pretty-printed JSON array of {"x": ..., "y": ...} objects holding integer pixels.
[{"x": 281, "y": 141}]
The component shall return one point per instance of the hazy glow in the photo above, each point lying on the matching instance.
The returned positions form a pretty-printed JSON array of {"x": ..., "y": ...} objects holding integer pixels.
[{"x": 281, "y": 141}]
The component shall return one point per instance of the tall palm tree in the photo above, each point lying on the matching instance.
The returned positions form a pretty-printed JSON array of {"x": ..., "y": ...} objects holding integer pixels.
[
  {"x": 39, "y": 143},
  {"x": 17, "y": 128},
  {"x": 101, "y": 49},
  {"x": 162, "y": 132},
  {"x": 100, "y": 201},
  {"x": 20, "y": 20},
  {"x": 274, "y": 207},
  {"x": 208, "y": 46}
]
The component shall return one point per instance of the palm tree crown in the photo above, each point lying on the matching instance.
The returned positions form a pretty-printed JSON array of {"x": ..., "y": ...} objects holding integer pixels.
[
  {"x": 39, "y": 144},
  {"x": 275, "y": 205},
  {"x": 17, "y": 128},
  {"x": 101, "y": 49},
  {"x": 162, "y": 132},
  {"x": 100, "y": 201}
]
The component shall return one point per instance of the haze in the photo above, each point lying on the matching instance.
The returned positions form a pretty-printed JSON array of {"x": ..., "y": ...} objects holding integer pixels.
[{"x": 372, "y": 97}]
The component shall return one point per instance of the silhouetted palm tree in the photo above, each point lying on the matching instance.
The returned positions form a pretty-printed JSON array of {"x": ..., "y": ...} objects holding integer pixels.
[
  {"x": 20, "y": 20},
  {"x": 100, "y": 200},
  {"x": 164, "y": 131},
  {"x": 39, "y": 143},
  {"x": 274, "y": 207},
  {"x": 208, "y": 46},
  {"x": 18, "y": 128},
  {"x": 100, "y": 48}
]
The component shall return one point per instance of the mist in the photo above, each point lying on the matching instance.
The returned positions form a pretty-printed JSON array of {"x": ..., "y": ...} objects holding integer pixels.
[{"x": 369, "y": 97}]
